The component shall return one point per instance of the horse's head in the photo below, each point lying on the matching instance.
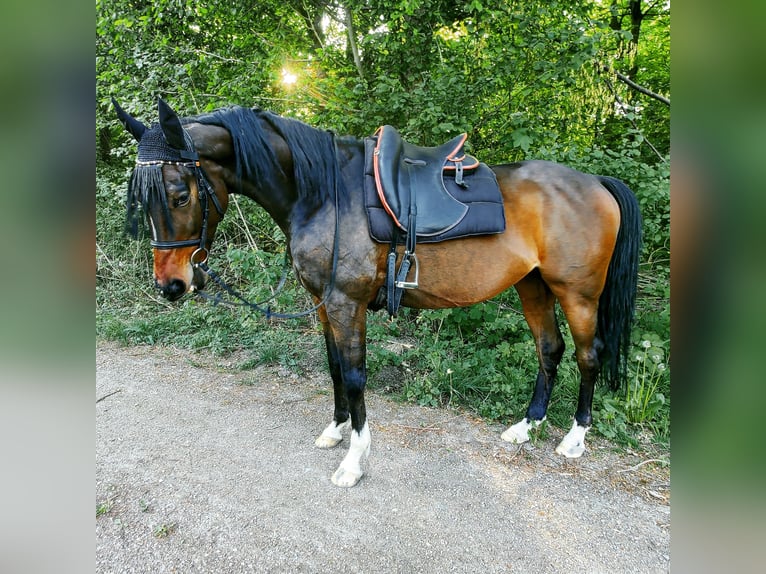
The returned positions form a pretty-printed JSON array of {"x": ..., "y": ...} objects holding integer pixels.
[{"x": 182, "y": 196}]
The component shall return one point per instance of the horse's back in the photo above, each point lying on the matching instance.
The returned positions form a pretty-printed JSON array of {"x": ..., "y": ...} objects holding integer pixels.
[
  {"x": 547, "y": 181},
  {"x": 557, "y": 195}
]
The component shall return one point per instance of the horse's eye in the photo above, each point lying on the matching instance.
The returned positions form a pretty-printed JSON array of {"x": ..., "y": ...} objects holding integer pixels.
[{"x": 182, "y": 199}]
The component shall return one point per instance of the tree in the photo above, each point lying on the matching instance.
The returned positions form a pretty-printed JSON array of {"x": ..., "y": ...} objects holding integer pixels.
[
  {"x": 523, "y": 78},
  {"x": 641, "y": 61}
]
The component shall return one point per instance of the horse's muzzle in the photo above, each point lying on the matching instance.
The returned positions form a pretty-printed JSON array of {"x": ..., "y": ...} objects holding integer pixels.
[{"x": 174, "y": 289}]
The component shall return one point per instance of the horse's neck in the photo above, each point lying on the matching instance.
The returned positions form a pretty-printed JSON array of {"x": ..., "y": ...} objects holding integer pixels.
[
  {"x": 279, "y": 198},
  {"x": 278, "y": 211}
]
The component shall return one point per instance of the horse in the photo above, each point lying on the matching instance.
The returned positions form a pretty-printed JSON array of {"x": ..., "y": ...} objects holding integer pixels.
[{"x": 570, "y": 237}]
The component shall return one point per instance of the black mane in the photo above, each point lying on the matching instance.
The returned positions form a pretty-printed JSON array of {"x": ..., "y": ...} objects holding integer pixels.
[
  {"x": 315, "y": 166},
  {"x": 145, "y": 188}
]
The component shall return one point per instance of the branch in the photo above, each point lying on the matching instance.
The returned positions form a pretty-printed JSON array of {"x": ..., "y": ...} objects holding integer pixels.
[
  {"x": 213, "y": 55},
  {"x": 312, "y": 15},
  {"x": 351, "y": 32},
  {"x": 631, "y": 120},
  {"x": 641, "y": 89},
  {"x": 640, "y": 464},
  {"x": 650, "y": 8},
  {"x": 108, "y": 395}
]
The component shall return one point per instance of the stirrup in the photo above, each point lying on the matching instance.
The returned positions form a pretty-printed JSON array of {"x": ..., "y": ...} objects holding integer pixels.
[{"x": 410, "y": 284}]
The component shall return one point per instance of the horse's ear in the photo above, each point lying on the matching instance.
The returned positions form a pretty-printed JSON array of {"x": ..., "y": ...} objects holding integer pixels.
[
  {"x": 131, "y": 124},
  {"x": 171, "y": 126}
]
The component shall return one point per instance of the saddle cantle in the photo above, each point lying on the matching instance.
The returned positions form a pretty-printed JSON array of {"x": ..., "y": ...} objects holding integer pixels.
[{"x": 451, "y": 194}]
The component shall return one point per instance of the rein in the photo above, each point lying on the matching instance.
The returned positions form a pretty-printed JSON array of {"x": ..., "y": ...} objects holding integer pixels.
[
  {"x": 243, "y": 302},
  {"x": 205, "y": 190}
]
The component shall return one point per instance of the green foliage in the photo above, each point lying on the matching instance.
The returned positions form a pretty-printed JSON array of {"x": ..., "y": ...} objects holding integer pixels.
[
  {"x": 517, "y": 76},
  {"x": 477, "y": 357},
  {"x": 648, "y": 382}
]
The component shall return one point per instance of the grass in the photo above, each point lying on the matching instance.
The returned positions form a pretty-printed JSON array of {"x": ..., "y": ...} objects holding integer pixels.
[{"x": 164, "y": 530}]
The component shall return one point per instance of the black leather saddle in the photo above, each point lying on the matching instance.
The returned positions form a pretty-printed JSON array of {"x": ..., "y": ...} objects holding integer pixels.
[
  {"x": 449, "y": 194},
  {"x": 410, "y": 181}
]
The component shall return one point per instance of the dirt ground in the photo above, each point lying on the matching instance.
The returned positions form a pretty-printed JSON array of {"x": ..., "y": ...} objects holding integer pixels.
[{"x": 202, "y": 467}]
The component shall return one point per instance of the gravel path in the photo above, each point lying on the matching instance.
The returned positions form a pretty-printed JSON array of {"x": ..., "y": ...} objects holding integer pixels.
[{"x": 201, "y": 467}]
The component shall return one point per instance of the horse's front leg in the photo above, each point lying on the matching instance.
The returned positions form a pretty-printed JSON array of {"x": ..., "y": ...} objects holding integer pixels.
[
  {"x": 347, "y": 326},
  {"x": 333, "y": 433}
]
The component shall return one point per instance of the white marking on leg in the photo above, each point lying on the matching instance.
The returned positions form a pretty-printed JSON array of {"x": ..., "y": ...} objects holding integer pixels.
[
  {"x": 350, "y": 470},
  {"x": 519, "y": 433},
  {"x": 332, "y": 435},
  {"x": 573, "y": 444}
]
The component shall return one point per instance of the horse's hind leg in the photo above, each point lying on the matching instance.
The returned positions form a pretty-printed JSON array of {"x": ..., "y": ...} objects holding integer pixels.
[
  {"x": 538, "y": 304},
  {"x": 581, "y": 314},
  {"x": 333, "y": 433}
]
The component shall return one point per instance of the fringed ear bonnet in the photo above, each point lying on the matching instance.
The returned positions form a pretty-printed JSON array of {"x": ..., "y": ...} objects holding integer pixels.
[{"x": 165, "y": 142}]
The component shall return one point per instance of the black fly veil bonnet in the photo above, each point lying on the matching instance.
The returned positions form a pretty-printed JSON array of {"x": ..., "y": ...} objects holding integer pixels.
[{"x": 165, "y": 143}]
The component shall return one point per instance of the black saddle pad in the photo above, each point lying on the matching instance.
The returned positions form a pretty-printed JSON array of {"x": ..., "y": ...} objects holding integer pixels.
[{"x": 483, "y": 213}]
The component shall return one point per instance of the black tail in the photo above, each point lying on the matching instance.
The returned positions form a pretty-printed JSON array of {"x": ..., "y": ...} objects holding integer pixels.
[{"x": 618, "y": 301}]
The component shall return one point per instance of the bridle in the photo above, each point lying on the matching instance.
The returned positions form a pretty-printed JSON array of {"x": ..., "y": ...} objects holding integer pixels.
[
  {"x": 199, "y": 256},
  {"x": 204, "y": 192}
]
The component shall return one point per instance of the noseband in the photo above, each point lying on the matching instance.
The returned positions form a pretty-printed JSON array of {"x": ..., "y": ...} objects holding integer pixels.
[{"x": 204, "y": 191}]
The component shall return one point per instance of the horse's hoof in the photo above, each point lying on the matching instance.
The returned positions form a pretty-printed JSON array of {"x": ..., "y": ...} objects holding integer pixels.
[
  {"x": 350, "y": 470},
  {"x": 573, "y": 444},
  {"x": 570, "y": 450},
  {"x": 323, "y": 441},
  {"x": 519, "y": 433},
  {"x": 331, "y": 436},
  {"x": 345, "y": 478}
]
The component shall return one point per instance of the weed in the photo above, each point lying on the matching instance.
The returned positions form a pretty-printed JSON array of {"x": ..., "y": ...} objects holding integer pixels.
[
  {"x": 250, "y": 382},
  {"x": 643, "y": 401},
  {"x": 610, "y": 421},
  {"x": 539, "y": 434},
  {"x": 104, "y": 508},
  {"x": 107, "y": 506},
  {"x": 164, "y": 530}
]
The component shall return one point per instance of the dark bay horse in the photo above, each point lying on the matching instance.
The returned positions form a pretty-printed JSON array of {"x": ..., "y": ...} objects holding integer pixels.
[{"x": 570, "y": 237}]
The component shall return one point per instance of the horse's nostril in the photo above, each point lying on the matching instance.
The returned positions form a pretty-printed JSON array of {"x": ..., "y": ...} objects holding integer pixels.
[{"x": 173, "y": 290}]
